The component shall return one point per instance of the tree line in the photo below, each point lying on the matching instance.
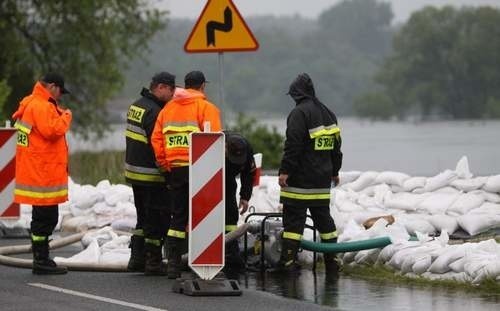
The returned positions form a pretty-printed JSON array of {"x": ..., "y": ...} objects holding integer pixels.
[{"x": 441, "y": 63}]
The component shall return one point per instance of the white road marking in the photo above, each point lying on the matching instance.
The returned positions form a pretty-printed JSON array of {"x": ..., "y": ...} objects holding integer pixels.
[{"x": 95, "y": 297}]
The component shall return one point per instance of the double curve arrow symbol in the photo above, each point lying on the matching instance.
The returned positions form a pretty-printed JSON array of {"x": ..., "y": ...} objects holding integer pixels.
[{"x": 212, "y": 26}]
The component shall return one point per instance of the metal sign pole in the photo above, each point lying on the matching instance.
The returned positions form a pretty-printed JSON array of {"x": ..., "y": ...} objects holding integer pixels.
[{"x": 220, "y": 63}]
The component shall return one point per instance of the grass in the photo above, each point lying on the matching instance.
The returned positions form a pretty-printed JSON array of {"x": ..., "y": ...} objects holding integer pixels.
[
  {"x": 91, "y": 167},
  {"x": 386, "y": 275}
]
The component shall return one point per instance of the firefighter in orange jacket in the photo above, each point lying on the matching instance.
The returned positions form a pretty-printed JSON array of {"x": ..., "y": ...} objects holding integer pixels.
[
  {"x": 170, "y": 139},
  {"x": 42, "y": 164}
]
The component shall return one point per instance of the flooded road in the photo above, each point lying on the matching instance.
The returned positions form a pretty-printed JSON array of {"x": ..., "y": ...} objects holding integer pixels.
[{"x": 349, "y": 293}]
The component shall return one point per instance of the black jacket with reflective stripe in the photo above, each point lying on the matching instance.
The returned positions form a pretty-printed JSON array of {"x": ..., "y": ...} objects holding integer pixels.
[
  {"x": 309, "y": 164},
  {"x": 246, "y": 171},
  {"x": 140, "y": 163}
]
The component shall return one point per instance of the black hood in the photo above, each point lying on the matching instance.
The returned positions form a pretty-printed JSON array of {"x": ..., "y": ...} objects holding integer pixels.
[
  {"x": 302, "y": 88},
  {"x": 147, "y": 93}
]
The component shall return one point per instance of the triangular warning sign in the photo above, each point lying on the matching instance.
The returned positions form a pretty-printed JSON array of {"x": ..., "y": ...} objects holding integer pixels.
[{"x": 220, "y": 28}]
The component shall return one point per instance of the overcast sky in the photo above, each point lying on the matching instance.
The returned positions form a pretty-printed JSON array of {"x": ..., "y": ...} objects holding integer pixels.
[{"x": 308, "y": 8}]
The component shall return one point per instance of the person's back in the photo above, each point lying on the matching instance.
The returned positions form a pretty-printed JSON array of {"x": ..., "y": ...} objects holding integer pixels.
[{"x": 183, "y": 115}]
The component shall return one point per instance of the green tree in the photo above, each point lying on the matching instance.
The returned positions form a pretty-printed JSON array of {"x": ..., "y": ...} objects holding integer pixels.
[
  {"x": 446, "y": 63},
  {"x": 88, "y": 41},
  {"x": 268, "y": 142}
]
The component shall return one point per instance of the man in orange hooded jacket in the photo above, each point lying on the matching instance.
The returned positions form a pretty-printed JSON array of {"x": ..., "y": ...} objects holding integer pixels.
[
  {"x": 185, "y": 114},
  {"x": 42, "y": 164}
]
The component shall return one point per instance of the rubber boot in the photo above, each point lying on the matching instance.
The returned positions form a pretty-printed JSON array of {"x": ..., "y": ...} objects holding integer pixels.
[
  {"x": 42, "y": 264},
  {"x": 174, "y": 265},
  {"x": 154, "y": 264},
  {"x": 331, "y": 264},
  {"x": 234, "y": 264},
  {"x": 288, "y": 259},
  {"x": 136, "y": 262}
]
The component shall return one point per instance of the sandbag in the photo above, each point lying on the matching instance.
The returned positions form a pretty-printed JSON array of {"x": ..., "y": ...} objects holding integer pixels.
[
  {"x": 443, "y": 222},
  {"x": 440, "y": 180},
  {"x": 366, "y": 179},
  {"x": 391, "y": 178},
  {"x": 414, "y": 182},
  {"x": 462, "y": 169},
  {"x": 492, "y": 184},
  {"x": 476, "y": 223},
  {"x": 466, "y": 202},
  {"x": 347, "y": 177},
  {"x": 468, "y": 185},
  {"x": 487, "y": 208},
  {"x": 403, "y": 201},
  {"x": 437, "y": 203}
]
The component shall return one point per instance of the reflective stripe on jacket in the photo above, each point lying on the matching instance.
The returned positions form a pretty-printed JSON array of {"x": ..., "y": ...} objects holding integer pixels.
[
  {"x": 140, "y": 164},
  {"x": 180, "y": 117},
  {"x": 42, "y": 151}
]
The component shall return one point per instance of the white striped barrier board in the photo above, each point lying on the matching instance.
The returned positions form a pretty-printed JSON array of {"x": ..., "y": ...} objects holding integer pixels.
[
  {"x": 8, "y": 139},
  {"x": 206, "y": 204},
  {"x": 258, "y": 168}
]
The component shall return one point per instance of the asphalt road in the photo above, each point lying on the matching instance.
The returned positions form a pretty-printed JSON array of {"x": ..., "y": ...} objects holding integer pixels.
[{"x": 21, "y": 290}]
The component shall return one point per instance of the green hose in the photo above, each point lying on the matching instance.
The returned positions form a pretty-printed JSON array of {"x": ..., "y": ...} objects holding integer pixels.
[{"x": 345, "y": 246}]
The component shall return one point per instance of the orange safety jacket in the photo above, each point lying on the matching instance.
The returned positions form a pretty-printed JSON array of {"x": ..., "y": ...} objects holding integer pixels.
[
  {"x": 181, "y": 116},
  {"x": 42, "y": 151}
]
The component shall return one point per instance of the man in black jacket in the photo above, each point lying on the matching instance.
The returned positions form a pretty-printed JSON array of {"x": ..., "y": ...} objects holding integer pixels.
[
  {"x": 310, "y": 165},
  {"x": 148, "y": 185},
  {"x": 239, "y": 161}
]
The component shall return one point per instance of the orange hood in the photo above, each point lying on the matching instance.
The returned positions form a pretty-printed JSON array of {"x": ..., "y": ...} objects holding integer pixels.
[{"x": 38, "y": 91}]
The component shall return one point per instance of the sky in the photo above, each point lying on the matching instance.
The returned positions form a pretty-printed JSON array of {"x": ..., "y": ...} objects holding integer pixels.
[{"x": 307, "y": 8}]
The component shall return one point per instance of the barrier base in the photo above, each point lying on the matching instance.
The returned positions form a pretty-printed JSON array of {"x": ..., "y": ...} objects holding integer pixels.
[{"x": 199, "y": 287}]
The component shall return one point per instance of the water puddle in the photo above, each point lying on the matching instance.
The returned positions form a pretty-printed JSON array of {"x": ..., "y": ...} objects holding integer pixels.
[{"x": 348, "y": 293}]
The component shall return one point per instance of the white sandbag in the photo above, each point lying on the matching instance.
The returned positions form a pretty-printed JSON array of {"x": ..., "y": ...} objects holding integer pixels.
[
  {"x": 119, "y": 193},
  {"x": 403, "y": 201},
  {"x": 366, "y": 179},
  {"x": 103, "y": 186},
  {"x": 468, "y": 185},
  {"x": 422, "y": 263},
  {"x": 386, "y": 254},
  {"x": 492, "y": 184},
  {"x": 487, "y": 208},
  {"x": 462, "y": 169},
  {"x": 367, "y": 256},
  {"x": 448, "y": 190},
  {"x": 476, "y": 223},
  {"x": 124, "y": 224},
  {"x": 380, "y": 192},
  {"x": 89, "y": 255},
  {"x": 466, "y": 202},
  {"x": 351, "y": 230},
  {"x": 461, "y": 277},
  {"x": 414, "y": 182},
  {"x": 347, "y": 177},
  {"x": 367, "y": 202},
  {"x": 458, "y": 265},
  {"x": 348, "y": 207},
  {"x": 348, "y": 257},
  {"x": 440, "y": 180},
  {"x": 442, "y": 263},
  {"x": 414, "y": 223},
  {"x": 491, "y": 197},
  {"x": 443, "y": 222},
  {"x": 399, "y": 256},
  {"x": 391, "y": 178},
  {"x": 437, "y": 203},
  {"x": 102, "y": 236}
]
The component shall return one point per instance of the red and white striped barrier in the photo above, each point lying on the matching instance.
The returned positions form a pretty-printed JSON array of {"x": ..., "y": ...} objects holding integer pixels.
[
  {"x": 258, "y": 168},
  {"x": 206, "y": 204},
  {"x": 8, "y": 209}
]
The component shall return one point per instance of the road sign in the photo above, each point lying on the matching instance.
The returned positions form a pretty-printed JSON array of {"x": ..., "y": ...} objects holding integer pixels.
[
  {"x": 206, "y": 204},
  {"x": 8, "y": 209},
  {"x": 220, "y": 28}
]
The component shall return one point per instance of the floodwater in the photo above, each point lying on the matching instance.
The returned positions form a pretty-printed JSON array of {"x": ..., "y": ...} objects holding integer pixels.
[
  {"x": 349, "y": 293},
  {"x": 425, "y": 148}
]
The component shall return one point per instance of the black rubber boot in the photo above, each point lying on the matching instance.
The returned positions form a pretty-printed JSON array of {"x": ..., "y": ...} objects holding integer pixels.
[
  {"x": 174, "y": 265},
  {"x": 234, "y": 264},
  {"x": 154, "y": 264},
  {"x": 332, "y": 266},
  {"x": 136, "y": 262},
  {"x": 42, "y": 264},
  {"x": 288, "y": 259}
]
